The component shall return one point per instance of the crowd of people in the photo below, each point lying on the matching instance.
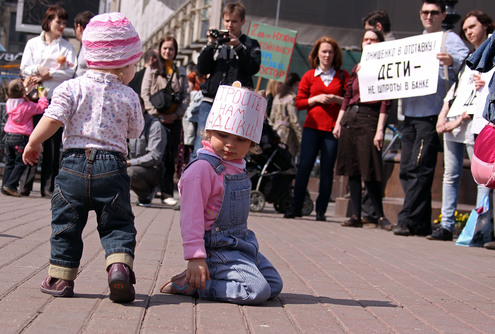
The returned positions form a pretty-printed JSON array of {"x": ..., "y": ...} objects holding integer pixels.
[
  {"x": 125, "y": 131},
  {"x": 359, "y": 128}
]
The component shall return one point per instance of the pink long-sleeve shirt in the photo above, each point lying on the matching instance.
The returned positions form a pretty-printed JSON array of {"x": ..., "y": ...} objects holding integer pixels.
[
  {"x": 21, "y": 114},
  {"x": 201, "y": 192}
]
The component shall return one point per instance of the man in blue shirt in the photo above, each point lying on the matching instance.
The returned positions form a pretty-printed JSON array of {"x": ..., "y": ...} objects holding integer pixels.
[{"x": 420, "y": 142}]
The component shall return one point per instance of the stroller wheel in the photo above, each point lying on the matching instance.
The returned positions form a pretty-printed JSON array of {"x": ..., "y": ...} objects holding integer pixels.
[
  {"x": 282, "y": 204},
  {"x": 307, "y": 205},
  {"x": 257, "y": 201}
]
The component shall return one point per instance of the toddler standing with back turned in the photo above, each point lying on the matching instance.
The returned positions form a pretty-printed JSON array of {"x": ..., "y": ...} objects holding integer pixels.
[
  {"x": 99, "y": 112},
  {"x": 224, "y": 262}
]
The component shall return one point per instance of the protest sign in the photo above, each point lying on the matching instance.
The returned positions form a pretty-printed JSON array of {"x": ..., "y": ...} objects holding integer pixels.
[
  {"x": 277, "y": 46},
  {"x": 467, "y": 97},
  {"x": 238, "y": 111},
  {"x": 401, "y": 68}
]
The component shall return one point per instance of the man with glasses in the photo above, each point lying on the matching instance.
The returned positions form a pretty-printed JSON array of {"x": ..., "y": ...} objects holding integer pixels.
[{"x": 420, "y": 142}]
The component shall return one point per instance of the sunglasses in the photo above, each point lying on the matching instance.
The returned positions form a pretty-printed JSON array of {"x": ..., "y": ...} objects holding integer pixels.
[{"x": 429, "y": 12}]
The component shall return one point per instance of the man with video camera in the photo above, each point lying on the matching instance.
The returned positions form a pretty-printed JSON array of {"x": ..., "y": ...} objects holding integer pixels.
[{"x": 228, "y": 56}]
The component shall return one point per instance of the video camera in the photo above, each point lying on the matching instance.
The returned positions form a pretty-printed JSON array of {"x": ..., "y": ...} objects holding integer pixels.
[{"x": 222, "y": 36}]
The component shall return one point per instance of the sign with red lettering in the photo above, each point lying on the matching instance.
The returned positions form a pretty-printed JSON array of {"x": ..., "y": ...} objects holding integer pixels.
[
  {"x": 277, "y": 45},
  {"x": 238, "y": 111}
]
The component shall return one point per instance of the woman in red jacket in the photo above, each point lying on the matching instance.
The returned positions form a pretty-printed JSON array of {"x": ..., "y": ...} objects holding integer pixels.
[{"x": 321, "y": 92}]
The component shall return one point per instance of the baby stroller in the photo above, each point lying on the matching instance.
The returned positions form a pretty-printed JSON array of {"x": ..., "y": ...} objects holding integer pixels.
[{"x": 272, "y": 174}]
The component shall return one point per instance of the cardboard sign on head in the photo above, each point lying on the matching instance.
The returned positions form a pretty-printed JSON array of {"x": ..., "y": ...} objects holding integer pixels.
[{"x": 237, "y": 111}]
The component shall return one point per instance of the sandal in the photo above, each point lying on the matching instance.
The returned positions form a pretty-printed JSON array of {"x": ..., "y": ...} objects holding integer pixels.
[
  {"x": 177, "y": 285},
  {"x": 355, "y": 221}
]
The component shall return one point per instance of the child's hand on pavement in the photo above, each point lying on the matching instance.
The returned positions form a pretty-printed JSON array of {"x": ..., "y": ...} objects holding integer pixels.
[{"x": 197, "y": 273}]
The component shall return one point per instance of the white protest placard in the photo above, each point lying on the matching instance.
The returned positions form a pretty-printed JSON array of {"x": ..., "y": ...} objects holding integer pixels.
[
  {"x": 401, "y": 68},
  {"x": 238, "y": 111},
  {"x": 467, "y": 97}
]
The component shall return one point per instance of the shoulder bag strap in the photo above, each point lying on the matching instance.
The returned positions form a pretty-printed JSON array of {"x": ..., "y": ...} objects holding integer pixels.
[
  {"x": 461, "y": 69},
  {"x": 169, "y": 82},
  {"x": 445, "y": 67}
]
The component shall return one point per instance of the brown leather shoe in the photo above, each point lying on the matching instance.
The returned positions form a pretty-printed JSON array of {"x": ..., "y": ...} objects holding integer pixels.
[
  {"x": 489, "y": 245},
  {"x": 178, "y": 285},
  {"x": 120, "y": 280},
  {"x": 10, "y": 192},
  {"x": 57, "y": 287},
  {"x": 355, "y": 221}
]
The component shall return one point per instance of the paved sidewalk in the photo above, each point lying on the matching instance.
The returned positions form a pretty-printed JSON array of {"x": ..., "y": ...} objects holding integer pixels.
[{"x": 336, "y": 280}]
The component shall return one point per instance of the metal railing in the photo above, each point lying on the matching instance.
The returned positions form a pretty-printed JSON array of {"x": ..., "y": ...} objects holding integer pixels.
[{"x": 188, "y": 25}]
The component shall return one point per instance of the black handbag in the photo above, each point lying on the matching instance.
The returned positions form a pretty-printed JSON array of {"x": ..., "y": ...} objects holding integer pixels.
[{"x": 162, "y": 99}]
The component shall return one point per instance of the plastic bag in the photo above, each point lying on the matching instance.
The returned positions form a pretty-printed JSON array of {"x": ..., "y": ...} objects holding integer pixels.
[{"x": 479, "y": 227}]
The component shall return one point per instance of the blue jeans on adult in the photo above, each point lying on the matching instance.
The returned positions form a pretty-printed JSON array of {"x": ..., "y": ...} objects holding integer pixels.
[
  {"x": 14, "y": 167},
  {"x": 204, "y": 111},
  {"x": 453, "y": 157},
  {"x": 313, "y": 142},
  {"x": 91, "y": 180}
]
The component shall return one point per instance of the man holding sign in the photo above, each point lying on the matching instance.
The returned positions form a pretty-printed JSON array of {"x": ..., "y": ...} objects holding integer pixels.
[{"x": 420, "y": 142}]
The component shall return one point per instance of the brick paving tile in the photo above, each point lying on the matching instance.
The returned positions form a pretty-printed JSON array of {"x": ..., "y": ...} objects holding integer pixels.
[{"x": 336, "y": 280}]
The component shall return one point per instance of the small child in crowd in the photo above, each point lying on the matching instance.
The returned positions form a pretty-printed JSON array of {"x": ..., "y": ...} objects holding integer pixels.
[
  {"x": 224, "y": 262},
  {"x": 19, "y": 126},
  {"x": 99, "y": 112}
]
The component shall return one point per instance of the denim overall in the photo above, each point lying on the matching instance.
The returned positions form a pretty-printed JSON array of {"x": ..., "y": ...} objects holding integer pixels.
[
  {"x": 239, "y": 273},
  {"x": 91, "y": 179}
]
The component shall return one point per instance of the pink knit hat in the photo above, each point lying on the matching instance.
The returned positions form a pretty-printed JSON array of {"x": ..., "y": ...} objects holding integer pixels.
[{"x": 110, "y": 41}]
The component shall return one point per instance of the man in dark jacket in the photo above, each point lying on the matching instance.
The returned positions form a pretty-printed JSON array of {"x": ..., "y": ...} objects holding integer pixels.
[{"x": 226, "y": 59}]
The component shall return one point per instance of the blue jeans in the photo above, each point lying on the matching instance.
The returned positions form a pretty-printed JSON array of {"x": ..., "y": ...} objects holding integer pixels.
[
  {"x": 314, "y": 141},
  {"x": 204, "y": 111},
  {"x": 91, "y": 180},
  {"x": 453, "y": 165},
  {"x": 14, "y": 167}
]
